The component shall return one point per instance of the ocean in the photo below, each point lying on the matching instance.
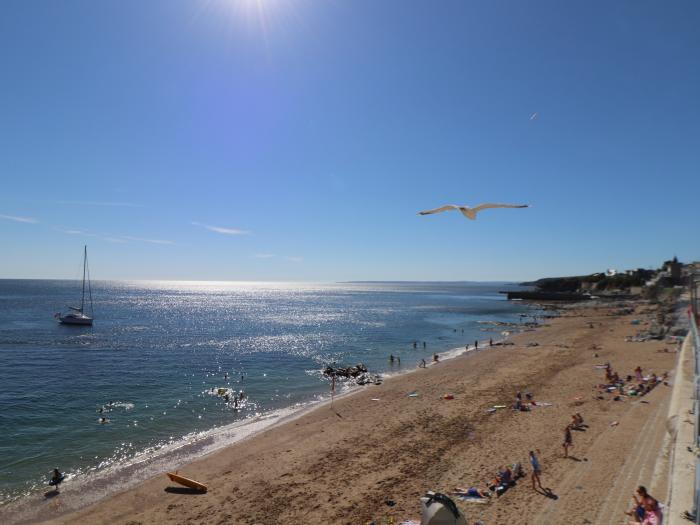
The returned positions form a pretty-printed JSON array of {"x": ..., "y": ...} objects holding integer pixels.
[{"x": 157, "y": 348}]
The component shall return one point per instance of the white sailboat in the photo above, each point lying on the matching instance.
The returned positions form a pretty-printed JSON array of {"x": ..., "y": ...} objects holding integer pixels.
[{"x": 77, "y": 316}]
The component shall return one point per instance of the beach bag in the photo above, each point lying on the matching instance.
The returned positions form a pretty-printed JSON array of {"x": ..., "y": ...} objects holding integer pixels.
[{"x": 438, "y": 509}]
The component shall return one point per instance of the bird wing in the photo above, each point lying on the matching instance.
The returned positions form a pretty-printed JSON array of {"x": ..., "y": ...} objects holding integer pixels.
[
  {"x": 487, "y": 205},
  {"x": 446, "y": 207}
]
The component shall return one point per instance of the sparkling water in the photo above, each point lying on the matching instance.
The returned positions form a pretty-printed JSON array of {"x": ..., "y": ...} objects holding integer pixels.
[{"x": 158, "y": 348}]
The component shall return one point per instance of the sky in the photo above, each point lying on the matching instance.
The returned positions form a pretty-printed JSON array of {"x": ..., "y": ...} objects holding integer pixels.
[{"x": 296, "y": 140}]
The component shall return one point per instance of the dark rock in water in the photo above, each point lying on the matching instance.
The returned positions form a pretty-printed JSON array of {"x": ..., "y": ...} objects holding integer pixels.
[
  {"x": 358, "y": 372},
  {"x": 349, "y": 371}
]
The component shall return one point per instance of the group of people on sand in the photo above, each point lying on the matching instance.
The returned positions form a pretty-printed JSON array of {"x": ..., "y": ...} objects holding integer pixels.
[
  {"x": 637, "y": 385},
  {"x": 505, "y": 478},
  {"x": 523, "y": 406},
  {"x": 645, "y": 509},
  {"x": 576, "y": 423}
]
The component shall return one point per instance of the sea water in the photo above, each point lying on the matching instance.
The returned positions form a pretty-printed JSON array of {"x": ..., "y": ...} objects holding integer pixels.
[{"x": 156, "y": 350}]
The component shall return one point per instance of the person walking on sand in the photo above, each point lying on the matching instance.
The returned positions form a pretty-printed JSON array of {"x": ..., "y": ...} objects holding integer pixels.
[
  {"x": 536, "y": 470},
  {"x": 476, "y": 345},
  {"x": 568, "y": 441}
]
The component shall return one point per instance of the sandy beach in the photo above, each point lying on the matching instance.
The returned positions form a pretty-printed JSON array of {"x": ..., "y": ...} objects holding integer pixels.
[{"x": 343, "y": 464}]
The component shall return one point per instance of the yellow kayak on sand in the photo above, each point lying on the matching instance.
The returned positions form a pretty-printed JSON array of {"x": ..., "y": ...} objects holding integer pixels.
[{"x": 187, "y": 482}]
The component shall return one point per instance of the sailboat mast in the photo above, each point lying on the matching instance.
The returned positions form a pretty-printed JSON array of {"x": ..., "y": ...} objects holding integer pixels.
[{"x": 82, "y": 298}]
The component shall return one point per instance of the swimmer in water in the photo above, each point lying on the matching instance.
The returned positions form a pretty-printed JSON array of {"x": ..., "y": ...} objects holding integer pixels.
[{"x": 103, "y": 420}]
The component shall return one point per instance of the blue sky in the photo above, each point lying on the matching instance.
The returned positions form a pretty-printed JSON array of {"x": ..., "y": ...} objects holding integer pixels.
[{"x": 296, "y": 140}]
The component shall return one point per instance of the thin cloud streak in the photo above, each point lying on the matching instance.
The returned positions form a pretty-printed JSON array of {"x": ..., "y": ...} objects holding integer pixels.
[
  {"x": 152, "y": 241},
  {"x": 264, "y": 255},
  {"x": 221, "y": 229},
  {"x": 28, "y": 220},
  {"x": 293, "y": 259},
  {"x": 102, "y": 203},
  {"x": 121, "y": 239}
]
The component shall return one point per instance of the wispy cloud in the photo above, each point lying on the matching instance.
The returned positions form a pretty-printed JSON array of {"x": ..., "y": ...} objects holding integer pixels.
[
  {"x": 102, "y": 203},
  {"x": 121, "y": 239},
  {"x": 152, "y": 241},
  {"x": 30, "y": 220},
  {"x": 221, "y": 229},
  {"x": 289, "y": 258},
  {"x": 70, "y": 231}
]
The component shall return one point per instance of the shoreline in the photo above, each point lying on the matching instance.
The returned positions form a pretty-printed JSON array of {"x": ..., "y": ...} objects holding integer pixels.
[
  {"x": 351, "y": 459},
  {"x": 199, "y": 445}
]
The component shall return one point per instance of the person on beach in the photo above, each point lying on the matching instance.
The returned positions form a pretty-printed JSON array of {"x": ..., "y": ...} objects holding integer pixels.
[
  {"x": 471, "y": 492},
  {"x": 568, "y": 440},
  {"x": 436, "y": 358},
  {"x": 652, "y": 515},
  {"x": 391, "y": 358},
  {"x": 56, "y": 478},
  {"x": 476, "y": 345},
  {"x": 536, "y": 470},
  {"x": 490, "y": 341},
  {"x": 415, "y": 344},
  {"x": 423, "y": 344},
  {"x": 504, "y": 479},
  {"x": 642, "y": 500},
  {"x": 422, "y": 364}
]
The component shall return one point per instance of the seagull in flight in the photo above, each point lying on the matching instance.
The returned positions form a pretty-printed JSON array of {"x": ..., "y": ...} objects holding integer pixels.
[{"x": 470, "y": 213}]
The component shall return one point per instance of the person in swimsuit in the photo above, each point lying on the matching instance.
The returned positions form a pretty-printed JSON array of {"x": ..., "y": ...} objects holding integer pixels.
[
  {"x": 472, "y": 492},
  {"x": 568, "y": 440},
  {"x": 536, "y": 470}
]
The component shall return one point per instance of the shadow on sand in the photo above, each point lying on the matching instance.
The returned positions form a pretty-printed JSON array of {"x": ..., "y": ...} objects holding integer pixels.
[
  {"x": 183, "y": 490},
  {"x": 548, "y": 493}
]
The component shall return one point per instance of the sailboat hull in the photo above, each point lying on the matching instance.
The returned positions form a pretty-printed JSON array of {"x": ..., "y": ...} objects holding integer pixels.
[{"x": 80, "y": 320}]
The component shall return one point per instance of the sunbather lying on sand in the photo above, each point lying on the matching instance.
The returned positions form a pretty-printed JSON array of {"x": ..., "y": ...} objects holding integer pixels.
[{"x": 472, "y": 492}]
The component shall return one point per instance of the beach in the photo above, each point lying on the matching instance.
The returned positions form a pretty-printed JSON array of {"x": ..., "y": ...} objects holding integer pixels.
[{"x": 373, "y": 454}]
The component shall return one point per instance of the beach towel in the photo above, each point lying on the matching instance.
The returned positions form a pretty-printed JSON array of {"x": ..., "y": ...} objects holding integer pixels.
[{"x": 472, "y": 499}]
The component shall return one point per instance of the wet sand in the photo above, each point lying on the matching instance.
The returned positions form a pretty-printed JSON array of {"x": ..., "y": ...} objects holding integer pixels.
[{"x": 341, "y": 464}]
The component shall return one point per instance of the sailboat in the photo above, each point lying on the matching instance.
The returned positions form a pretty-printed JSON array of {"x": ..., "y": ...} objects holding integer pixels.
[{"x": 77, "y": 316}]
